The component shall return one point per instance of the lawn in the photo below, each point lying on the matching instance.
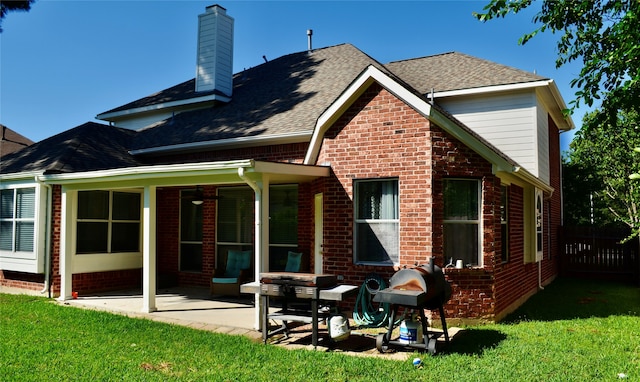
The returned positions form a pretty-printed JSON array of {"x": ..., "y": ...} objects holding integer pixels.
[{"x": 572, "y": 331}]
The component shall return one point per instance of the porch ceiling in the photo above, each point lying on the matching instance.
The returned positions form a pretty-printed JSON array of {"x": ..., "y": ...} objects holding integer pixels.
[{"x": 225, "y": 172}]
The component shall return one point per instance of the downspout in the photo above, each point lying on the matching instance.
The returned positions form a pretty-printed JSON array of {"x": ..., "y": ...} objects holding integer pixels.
[
  {"x": 258, "y": 233},
  {"x": 47, "y": 239}
]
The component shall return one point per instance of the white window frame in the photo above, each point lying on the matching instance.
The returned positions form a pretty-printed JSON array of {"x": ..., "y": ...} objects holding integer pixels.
[
  {"x": 27, "y": 261},
  {"x": 504, "y": 222},
  {"x": 110, "y": 221},
  {"x": 394, "y": 256}
]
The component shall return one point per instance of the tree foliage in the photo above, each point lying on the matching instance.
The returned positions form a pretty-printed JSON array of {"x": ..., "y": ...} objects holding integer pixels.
[
  {"x": 13, "y": 5},
  {"x": 596, "y": 173},
  {"x": 604, "y": 34}
]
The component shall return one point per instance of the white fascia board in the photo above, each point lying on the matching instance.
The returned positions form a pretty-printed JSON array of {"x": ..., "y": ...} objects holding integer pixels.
[
  {"x": 491, "y": 89},
  {"x": 19, "y": 177},
  {"x": 228, "y": 143},
  {"x": 177, "y": 174},
  {"x": 160, "y": 106},
  {"x": 558, "y": 100},
  {"x": 532, "y": 179},
  {"x": 363, "y": 81},
  {"x": 145, "y": 173},
  {"x": 291, "y": 169}
]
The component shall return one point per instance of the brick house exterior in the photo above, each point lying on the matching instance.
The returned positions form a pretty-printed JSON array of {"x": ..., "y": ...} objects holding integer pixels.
[{"x": 315, "y": 125}]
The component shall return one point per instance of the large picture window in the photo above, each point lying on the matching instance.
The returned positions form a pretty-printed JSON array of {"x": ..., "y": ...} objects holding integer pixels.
[
  {"x": 462, "y": 220},
  {"x": 17, "y": 219},
  {"x": 108, "y": 222},
  {"x": 377, "y": 221}
]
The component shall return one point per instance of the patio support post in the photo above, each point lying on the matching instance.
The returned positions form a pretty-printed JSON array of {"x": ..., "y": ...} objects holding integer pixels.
[
  {"x": 66, "y": 271},
  {"x": 261, "y": 244},
  {"x": 149, "y": 250}
]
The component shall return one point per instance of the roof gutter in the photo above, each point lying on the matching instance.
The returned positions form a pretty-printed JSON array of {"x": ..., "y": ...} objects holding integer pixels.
[
  {"x": 143, "y": 173},
  {"x": 532, "y": 179}
]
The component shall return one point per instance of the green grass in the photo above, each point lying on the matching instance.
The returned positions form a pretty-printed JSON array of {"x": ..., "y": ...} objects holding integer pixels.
[{"x": 571, "y": 331}]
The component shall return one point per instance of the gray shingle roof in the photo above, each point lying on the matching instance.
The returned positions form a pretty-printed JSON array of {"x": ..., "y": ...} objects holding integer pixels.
[
  {"x": 282, "y": 96},
  {"x": 88, "y": 147},
  {"x": 10, "y": 141},
  {"x": 456, "y": 71}
]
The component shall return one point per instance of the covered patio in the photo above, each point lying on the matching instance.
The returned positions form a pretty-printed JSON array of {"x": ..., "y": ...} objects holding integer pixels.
[{"x": 258, "y": 175}]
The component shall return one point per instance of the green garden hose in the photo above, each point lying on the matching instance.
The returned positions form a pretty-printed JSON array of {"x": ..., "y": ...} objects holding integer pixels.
[{"x": 365, "y": 314}]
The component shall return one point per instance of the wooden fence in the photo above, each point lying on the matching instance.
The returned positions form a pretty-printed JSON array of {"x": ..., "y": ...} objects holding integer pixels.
[{"x": 599, "y": 253}]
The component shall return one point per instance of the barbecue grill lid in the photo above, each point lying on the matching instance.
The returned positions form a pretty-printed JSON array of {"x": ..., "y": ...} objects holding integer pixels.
[{"x": 299, "y": 279}]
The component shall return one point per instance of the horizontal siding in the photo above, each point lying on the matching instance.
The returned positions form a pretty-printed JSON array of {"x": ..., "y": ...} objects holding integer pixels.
[{"x": 508, "y": 121}]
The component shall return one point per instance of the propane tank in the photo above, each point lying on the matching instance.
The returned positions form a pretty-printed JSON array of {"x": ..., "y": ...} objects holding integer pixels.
[
  {"x": 410, "y": 330},
  {"x": 339, "y": 327}
]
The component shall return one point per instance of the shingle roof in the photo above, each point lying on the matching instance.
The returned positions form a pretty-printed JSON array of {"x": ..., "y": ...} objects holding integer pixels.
[
  {"x": 10, "y": 141},
  {"x": 88, "y": 147},
  {"x": 282, "y": 96},
  {"x": 180, "y": 92},
  {"x": 456, "y": 71}
]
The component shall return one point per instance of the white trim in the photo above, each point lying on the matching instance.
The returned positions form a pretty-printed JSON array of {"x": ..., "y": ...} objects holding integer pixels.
[
  {"x": 185, "y": 174},
  {"x": 492, "y": 89},
  {"x": 115, "y": 115}
]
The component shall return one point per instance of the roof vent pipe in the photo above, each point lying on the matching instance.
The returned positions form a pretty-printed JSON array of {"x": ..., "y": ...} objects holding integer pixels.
[{"x": 309, "y": 34}]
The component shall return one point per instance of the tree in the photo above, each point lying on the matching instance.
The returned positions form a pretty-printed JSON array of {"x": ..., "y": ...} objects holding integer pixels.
[
  {"x": 13, "y": 5},
  {"x": 604, "y": 34},
  {"x": 596, "y": 173}
]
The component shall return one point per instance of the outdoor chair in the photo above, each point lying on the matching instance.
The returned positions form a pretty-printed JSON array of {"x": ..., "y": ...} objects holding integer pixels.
[
  {"x": 294, "y": 260},
  {"x": 237, "y": 271}
]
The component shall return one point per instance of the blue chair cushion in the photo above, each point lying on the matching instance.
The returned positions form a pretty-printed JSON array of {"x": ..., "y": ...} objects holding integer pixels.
[
  {"x": 293, "y": 262},
  {"x": 237, "y": 261},
  {"x": 225, "y": 280}
]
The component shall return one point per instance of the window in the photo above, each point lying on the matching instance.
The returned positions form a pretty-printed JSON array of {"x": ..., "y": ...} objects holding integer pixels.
[
  {"x": 539, "y": 222},
  {"x": 283, "y": 224},
  {"x": 377, "y": 221},
  {"x": 462, "y": 220},
  {"x": 17, "y": 219},
  {"x": 190, "y": 233},
  {"x": 504, "y": 222},
  {"x": 108, "y": 222},
  {"x": 235, "y": 220}
]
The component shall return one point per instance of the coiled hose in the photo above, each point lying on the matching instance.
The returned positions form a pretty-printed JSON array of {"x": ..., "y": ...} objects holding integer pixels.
[{"x": 364, "y": 313}]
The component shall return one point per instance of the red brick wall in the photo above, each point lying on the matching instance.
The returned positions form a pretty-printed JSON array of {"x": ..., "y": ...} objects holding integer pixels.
[
  {"x": 380, "y": 136},
  {"x": 377, "y": 137},
  {"x": 473, "y": 289}
]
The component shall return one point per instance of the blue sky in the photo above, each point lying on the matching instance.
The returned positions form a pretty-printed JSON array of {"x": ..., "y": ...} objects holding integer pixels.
[{"x": 64, "y": 62}]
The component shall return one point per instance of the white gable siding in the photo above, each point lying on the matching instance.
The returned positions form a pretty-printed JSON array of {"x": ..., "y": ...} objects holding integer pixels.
[{"x": 508, "y": 121}]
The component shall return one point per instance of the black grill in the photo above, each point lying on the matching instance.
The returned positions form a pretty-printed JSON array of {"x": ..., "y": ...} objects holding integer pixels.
[{"x": 419, "y": 288}]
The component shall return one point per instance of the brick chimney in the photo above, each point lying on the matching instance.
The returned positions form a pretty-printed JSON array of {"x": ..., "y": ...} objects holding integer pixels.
[{"x": 214, "y": 70}]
